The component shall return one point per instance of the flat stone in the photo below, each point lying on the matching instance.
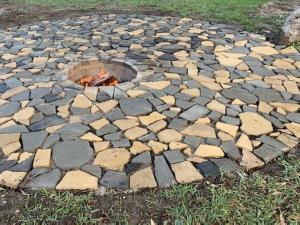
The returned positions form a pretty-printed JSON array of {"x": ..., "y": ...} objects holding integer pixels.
[
  {"x": 250, "y": 161},
  {"x": 199, "y": 130},
  {"x": 267, "y": 153},
  {"x": 78, "y": 180},
  {"x": 163, "y": 174},
  {"x": 294, "y": 128},
  {"x": 143, "y": 178},
  {"x": 231, "y": 150},
  {"x": 157, "y": 147},
  {"x": 92, "y": 169},
  {"x": 208, "y": 169},
  {"x": 157, "y": 126},
  {"x": 157, "y": 85},
  {"x": 267, "y": 95},
  {"x": 178, "y": 124},
  {"x": 226, "y": 165},
  {"x": 216, "y": 106},
  {"x": 73, "y": 130},
  {"x": 273, "y": 143},
  {"x": 227, "y": 128},
  {"x": 71, "y": 154},
  {"x": 174, "y": 156},
  {"x": 244, "y": 142},
  {"x": 255, "y": 124},
  {"x": 11, "y": 179},
  {"x": 135, "y": 106},
  {"x": 138, "y": 147},
  {"x": 294, "y": 117},
  {"x": 185, "y": 172},
  {"x": 24, "y": 115},
  {"x": 107, "y": 105},
  {"x": 135, "y": 132},
  {"x": 194, "y": 113},
  {"x": 151, "y": 118},
  {"x": 33, "y": 140},
  {"x": 5, "y": 164},
  {"x": 113, "y": 179},
  {"x": 98, "y": 124},
  {"x": 169, "y": 135},
  {"x": 46, "y": 122},
  {"x": 265, "y": 50},
  {"x": 9, "y": 108},
  {"x": 209, "y": 151},
  {"x": 125, "y": 124},
  {"x": 42, "y": 158},
  {"x": 46, "y": 180},
  {"x": 240, "y": 94},
  {"x": 112, "y": 159},
  {"x": 6, "y": 139}
]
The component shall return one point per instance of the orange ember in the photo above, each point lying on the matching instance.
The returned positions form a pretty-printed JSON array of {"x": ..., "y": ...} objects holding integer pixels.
[{"x": 103, "y": 78}]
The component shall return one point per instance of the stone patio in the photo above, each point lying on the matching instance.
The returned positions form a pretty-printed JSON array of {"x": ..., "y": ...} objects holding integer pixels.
[{"x": 207, "y": 99}]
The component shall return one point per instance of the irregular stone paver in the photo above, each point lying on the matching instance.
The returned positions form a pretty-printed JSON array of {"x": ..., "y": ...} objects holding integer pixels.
[
  {"x": 143, "y": 179},
  {"x": 203, "y": 90}
]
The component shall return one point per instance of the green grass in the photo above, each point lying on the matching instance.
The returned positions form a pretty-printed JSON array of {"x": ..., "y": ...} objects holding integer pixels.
[
  {"x": 242, "y": 12},
  {"x": 297, "y": 46},
  {"x": 256, "y": 199}
]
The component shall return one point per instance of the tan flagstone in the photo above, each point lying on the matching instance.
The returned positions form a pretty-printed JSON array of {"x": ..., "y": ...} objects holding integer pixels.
[
  {"x": 100, "y": 146},
  {"x": 113, "y": 158},
  {"x": 108, "y": 105},
  {"x": 207, "y": 44},
  {"x": 288, "y": 107},
  {"x": 156, "y": 85},
  {"x": 98, "y": 124},
  {"x": 13, "y": 91},
  {"x": 196, "y": 159},
  {"x": 6, "y": 139},
  {"x": 264, "y": 107},
  {"x": 289, "y": 50},
  {"x": 125, "y": 124},
  {"x": 265, "y": 50},
  {"x": 255, "y": 124},
  {"x": 168, "y": 99},
  {"x": 24, "y": 115},
  {"x": 209, "y": 151},
  {"x": 294, "y": 128},
  {"x": 200, "y": 130},
  {"x": 138, "y": 147},
  {"x": 206, "y": 82},
  {"x": 283, "y": 64},
  {"x": 244, "y": 142},
  {"x": 11, "y": 179},
  {"x": 288, "y": 140},
  {"x": 181, "y": 55},
  {"x": 157, "y": 126},
  {"x": 10, "y": 148},
  {"x": 185, "y": 172},
  {"x": 135, "y": 132},
  {"x": 151, "y": 118},
  {"x": 14, "y": 156},
  {"x": 229, "y": 62},
  {"x": 291, "y": 87},
  {"x": 78, "y": 180},
  {"x": 42, "y": 158},
  {"x": 24, "y": 156},
  {"x": 157, "y": 147},
  {"x": 192, "y": 92},
  {"x": 177, "y": 145},
  {"x": 250, "y": 161},
  {"x": 81, "y": 102},
  {"x": 169, "y": 135},
  {"x": 172, "y": 76},
  {"x": 224, "y": 136},
  {"x": 228, "y": 128},
  {"x": 135, "y": 93},
  {"x": 204, "y": 120},
  {"x": 143, "y": 178},
  {"x": 91, "y": 93},
  {"x": 216, "y": 106},
  {"x": 90, "y": 137},
  {"x": 241, "y": 43},
  {"x": 54, "y": 128}
]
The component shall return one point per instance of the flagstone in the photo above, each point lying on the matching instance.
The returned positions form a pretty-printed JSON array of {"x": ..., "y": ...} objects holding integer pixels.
[
  {"x": 90, "y": 137},
  {"x": 265, "y": 50},
  {"x": 157, "y": 147},
  {"x": 135, "y": 132},
  {"x": 42, "y": 158},
  {"x": 250, "y": 161},
  {"x": 11, "y": 179},
  {"x": 11, "y": 147},
  {"x": 200, "y": 130},
  {"x": 216, "y": 106},
  {"x": 185, "y": 172},
  {"x": 255, "y": 124},
  {"x": 169, "y": 135},
  {"x": 107, "y": 106},
  {"x": 143, "y": 178},
  {"x": 228, "y": 128},
  {"x": 156, "y": 85},
  {"x": 157, "y": 126},
  {"x": 244, "y": 142},
  {"x": 113, "y": 159},
  {"x": 209, "y": 151},
  {"x": 101, "y": 145},
  {"x": 138, "y": 147},
  {"x": 151, "y": 118},
  {"x": 98, "y": 124},
  {"x": 294, "y": 128}
]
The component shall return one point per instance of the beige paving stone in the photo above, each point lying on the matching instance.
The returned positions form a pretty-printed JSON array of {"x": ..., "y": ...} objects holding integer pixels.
[
  {"x": 264, "y": 107},
  {"x": 24, "y": 156},
  {"x": 177, "y": 145},
  {"x": 135, "y": 47},
  {"x": 229, "y": 62},
  {"x": 172, "y": 76},
  {"x": 78, "y": 180},
  {"x": 241, "y": 43},
  {"x": 168, "y": 99},
  {"x": 185, "y": 172},
  {"x": 24, "y": 115},
  {"x": 199, "y": 130},
  {"x": 265, "y": 50},
  {"x": 136, "y": 32},
  {"x": 204, "y": 120},
  {"x": 283, "y": 64},
  {"x": 250, "y": 161},
  {"x": 14, "y": 156},
  {"x": 291, "y": 87},
  {"x": 10, "y": 148},
  {"x": 13, "y": 91},
  {"x": 90, "y": 137},
  {"x": 82, "y": 102},
  {"x": 54, "y": 128},
  {"x": 288, "y": 140},
  {"x": 11, "y": 179},
  {"x": 157, "y": 147},
  {"x": 181, "y": 55},
  {"x": 192, "y": 92},
  {"x": 42, "y": 158},
  {"x": 107, "y": 105},
  {"x": 91, "y": 93},
  {"x": 228, "y": 128},
  {"x": 244, "y": 142},
  {"x": 151, "y": 118},
  {"x": 138, "y": 147},
  {"x": 135, "y": 132},
  {"x": 207, "y": 44},
  {"x": 255, "y": 124},
  {"x": 101, "y": 145},
  {"x": 216, "y": 106},
  {"x": 294, "y": 128},
  {"x": 113, "y": 158},
  {"x": 143, "y": 178},
  {"x": 289, "y": 50},
  {"x": 98, "y": 124},
  {"x": 157, "y": 126},
  {"x": 206, "y": 82},
  {"x": 125, "y": 124},
  {"x": 156, "y": 85},
  {"x": 237, "y": 102},
  {"x": 135, "y": 93},
  {"x": 169, "y": 135},
  {"x": 196, "y": 159},
  {"x": 288, "y": 107},
  {"x": 6, "y": 139},
  {"x": 224, "y": 136},
  {"x": 209, "y": 151}
]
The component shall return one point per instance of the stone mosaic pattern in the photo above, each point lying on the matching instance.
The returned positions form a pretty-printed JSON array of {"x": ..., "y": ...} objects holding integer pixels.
[{"x": 208, "y": 98}]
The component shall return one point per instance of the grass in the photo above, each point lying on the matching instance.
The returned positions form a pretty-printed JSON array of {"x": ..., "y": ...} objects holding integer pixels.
[
  {"x": 297, "y": 46},
  {"x": 260, "y": 198},
  {"x": 241, "y": 12}
]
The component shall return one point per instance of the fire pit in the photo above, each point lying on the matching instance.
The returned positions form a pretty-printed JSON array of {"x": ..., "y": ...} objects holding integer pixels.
[{"x": 101, "y": 73}]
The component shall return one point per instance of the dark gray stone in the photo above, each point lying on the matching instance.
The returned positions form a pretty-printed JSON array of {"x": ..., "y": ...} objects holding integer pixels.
[
  {"x": 73, "y": 130},
  {"x": 51, "y": 140},
  {"x": 178, "y": 124},
  {"x": 113, "y": 179},
  {"x": 33, "y": 140},
  {"x": 231, "y": 150},
  {"x": 143, "y": 158},
  {"x": 267, "y": 153},
  {"x": 135, "y": 106},
  {"x": 47, "y": 122},
  {"x": 92, "y": 169},
  {"x": 9, "y": 108},
  {"x": 226, "y": 165},
  {"x": 194, "y": 113},
  {"x": 72, "y": 154},
  {"x": 163, "y": 173},
  {"x": 273, "y": 143},
  {"x": 23, "y": 166},
  {"x": 294, "y": 117},
  {"x": 6, "y": 164},
  {"x": 123, "y": 143},
  {"x": 208, "y": 169},
  {"x": 267, "y": 95},
  {"x": 47, "y": 180},
  {"x": 174, "y": 156},
  {"x": 240, "y": 94}
]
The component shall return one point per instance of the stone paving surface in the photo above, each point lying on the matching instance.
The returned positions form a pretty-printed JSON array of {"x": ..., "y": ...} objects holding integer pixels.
[{"x": 207, "y": 99}]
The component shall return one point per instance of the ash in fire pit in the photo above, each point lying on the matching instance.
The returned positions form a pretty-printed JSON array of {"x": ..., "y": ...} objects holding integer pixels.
[{"x": 101, "y": 73}]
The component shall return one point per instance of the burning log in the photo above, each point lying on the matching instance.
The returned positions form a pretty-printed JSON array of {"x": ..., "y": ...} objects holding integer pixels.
[{"x": 101, "y": 79}]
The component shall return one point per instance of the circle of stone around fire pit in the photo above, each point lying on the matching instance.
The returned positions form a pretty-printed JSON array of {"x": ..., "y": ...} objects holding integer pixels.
[{"x": 120, "y": 70}]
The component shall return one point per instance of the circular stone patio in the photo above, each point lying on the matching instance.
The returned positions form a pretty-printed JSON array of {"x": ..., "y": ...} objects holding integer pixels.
[{"x": 207, "y": 98}]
